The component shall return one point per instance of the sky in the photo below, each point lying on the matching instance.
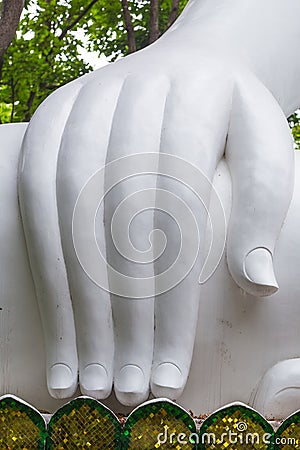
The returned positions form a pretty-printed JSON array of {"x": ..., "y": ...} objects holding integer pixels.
[{"x": 90, "y": 57}]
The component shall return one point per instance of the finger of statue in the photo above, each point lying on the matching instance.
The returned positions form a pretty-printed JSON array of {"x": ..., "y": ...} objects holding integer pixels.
[
  {"x": 82, "y": 154},
  {"x": 261, "y": 160},
  {"x": 189, "y": 132},
  {"x": 37, "y": 193},
  {"x": 129, "y": 219}
]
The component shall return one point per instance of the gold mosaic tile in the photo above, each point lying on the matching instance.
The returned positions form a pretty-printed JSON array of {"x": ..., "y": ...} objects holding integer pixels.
[
  {"x": 288, "y": 434},
  {"x": 236, "y": 427},
  {"x": 159, "y": 425},
  {"x": 84, "y": 424},
  {"x": 21, "y": 427}
]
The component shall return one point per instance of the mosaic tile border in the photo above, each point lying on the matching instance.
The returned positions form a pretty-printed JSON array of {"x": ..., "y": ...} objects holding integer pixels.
[{"x": 156, "y": 424}]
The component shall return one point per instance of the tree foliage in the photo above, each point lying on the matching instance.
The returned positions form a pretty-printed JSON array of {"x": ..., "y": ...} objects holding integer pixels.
[
  {"x": 119, "y": 27},
  {"x": 46, "y": 51},
  {"x": 294, "y": 122},
  {"x": 43, "y": 56}
]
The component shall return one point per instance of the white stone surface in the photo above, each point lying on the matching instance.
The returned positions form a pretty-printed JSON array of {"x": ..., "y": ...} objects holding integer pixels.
[{"x": 239, "y": 337}]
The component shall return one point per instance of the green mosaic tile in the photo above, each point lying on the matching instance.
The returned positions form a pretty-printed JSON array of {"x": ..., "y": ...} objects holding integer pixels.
[
  {"x": 287, "y": 436},
  {"x": 159, "y": 424},
  {"x": 236, "y": 427},
  {"x": 21, "y": 426},
  {"x": 86, "y": 424}
]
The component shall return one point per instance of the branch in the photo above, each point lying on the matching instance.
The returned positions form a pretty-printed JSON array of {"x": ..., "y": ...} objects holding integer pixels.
[
  {"x": 12, "y": 101},
  {"x": 129, "y": 27},
  {"x": 29, "y": 104},
  {"x": 78, "y": 18},
  {"x": 9, "y": 21},
  {"x": 174, "y": 13},
  {"x": 154, "y": 21}
]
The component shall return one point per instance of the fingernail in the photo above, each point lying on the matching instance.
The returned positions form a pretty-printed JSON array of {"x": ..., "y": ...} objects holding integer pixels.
[
  {"x": 130, "y": 379},
  {"x": 131, "y": 388},
  {"x": 62, "y": 383},
  {"x": 94, "y": 381},
  {"x": 167, "y": 375},
  {"x": 258, "y": 268},
  {"x": 278, "y": 390}
]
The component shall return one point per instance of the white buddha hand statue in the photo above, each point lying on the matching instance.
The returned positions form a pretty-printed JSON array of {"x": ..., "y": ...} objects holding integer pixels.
[{"x": 221, "y": 81}]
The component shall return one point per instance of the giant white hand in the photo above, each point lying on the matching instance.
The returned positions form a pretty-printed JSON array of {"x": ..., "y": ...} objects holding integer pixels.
[{"x": 201, "y": 90}]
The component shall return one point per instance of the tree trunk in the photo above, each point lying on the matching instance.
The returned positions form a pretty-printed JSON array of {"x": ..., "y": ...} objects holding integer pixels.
[
  {"x": 9, "y": 21},
  {"x": 1, "y": 66},
  {"x": 129, "y": 27},
  {"x": 154, "y": 21},
  {"x": 174, "y": 12},
  {"x": 31, "y": 98}
]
